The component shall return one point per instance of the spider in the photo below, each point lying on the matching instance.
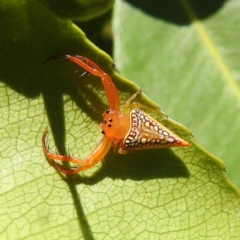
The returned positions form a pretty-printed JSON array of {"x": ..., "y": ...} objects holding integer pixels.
[{"x": 127, "y": 131}]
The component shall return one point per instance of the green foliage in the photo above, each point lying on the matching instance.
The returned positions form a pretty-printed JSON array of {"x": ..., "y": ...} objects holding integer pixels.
[
  {"x": 171, "y": 193},
  {"x": 187, "y": 60}
]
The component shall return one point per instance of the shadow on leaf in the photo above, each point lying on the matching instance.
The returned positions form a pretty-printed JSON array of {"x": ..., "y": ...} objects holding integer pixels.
[
  {"x": 174, "y": 11},
  {"x": 143, "y": 165}
]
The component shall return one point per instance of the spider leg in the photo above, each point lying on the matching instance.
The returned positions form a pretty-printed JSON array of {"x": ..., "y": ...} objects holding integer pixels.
[
  {"x": 130, "y": 105},
  {"x": 54, "y": 57},
  {"x": 95, "y": 70},
  {"x": 94, "y": 157},
  {"x": 72, "y": 170},
  {"x": 129, "y": 101}
]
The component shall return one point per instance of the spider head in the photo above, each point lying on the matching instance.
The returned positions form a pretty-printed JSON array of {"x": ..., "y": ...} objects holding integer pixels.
[{"x": 115, "y": 125}]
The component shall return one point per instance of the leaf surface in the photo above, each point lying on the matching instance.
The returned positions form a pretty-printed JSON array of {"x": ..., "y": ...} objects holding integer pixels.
[
  {"x": 186, "y": 59},
  {"x": 175, "y": 193}
]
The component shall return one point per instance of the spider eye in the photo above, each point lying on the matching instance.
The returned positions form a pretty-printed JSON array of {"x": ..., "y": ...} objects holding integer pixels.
[
  {"x": 109, "y": 125},
  {"x": 107, "y": 111},
  {"x": 110, "y": 120}
]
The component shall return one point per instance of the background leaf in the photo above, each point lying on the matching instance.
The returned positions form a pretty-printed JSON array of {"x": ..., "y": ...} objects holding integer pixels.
[
  {"x": 188, "y": 51},
  {"x": 179, "y": 193},
  {"x": 78, "y": 10}
]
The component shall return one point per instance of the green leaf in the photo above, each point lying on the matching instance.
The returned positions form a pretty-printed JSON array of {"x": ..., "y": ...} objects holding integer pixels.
[
  {"x": 189, "y": 52},
  {"x": 179, "y": 193},
  {"x": 78, "y": 10}
]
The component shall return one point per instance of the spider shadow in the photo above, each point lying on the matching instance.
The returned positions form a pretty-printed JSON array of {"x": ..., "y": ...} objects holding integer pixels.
[
  {"x": 174, "y": 12},
  {"x": 83, "y": 91},
  {"x": 139, "y": 166},
  {"x": 25, "y": 44}
]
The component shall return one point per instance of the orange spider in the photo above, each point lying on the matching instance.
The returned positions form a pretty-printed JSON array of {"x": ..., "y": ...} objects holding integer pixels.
[{"x": 128, "y": 131}]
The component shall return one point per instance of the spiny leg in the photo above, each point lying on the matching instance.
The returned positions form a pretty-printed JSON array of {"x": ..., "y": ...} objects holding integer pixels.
[
  {"x": 95, "y": 70},
  {"x": 94, "y": 157},
  {"x": 129, "y": 101},
  {"x": 130, "y": 105},
  {"x": 72, "y": 170},
  {"x": 158, "y": 110}
]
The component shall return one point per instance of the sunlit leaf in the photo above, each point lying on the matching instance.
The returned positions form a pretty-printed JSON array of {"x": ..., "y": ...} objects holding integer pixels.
[{"x": 179, "y": 194}]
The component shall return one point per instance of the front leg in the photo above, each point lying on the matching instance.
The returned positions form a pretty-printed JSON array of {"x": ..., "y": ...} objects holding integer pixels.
[
  {"x": 95, "y": 70},
  {"x": 94, "y": 157}
]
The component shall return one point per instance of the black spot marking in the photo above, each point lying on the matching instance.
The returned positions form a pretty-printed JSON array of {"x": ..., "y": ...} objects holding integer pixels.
[{"x": 103, "y": 132}]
